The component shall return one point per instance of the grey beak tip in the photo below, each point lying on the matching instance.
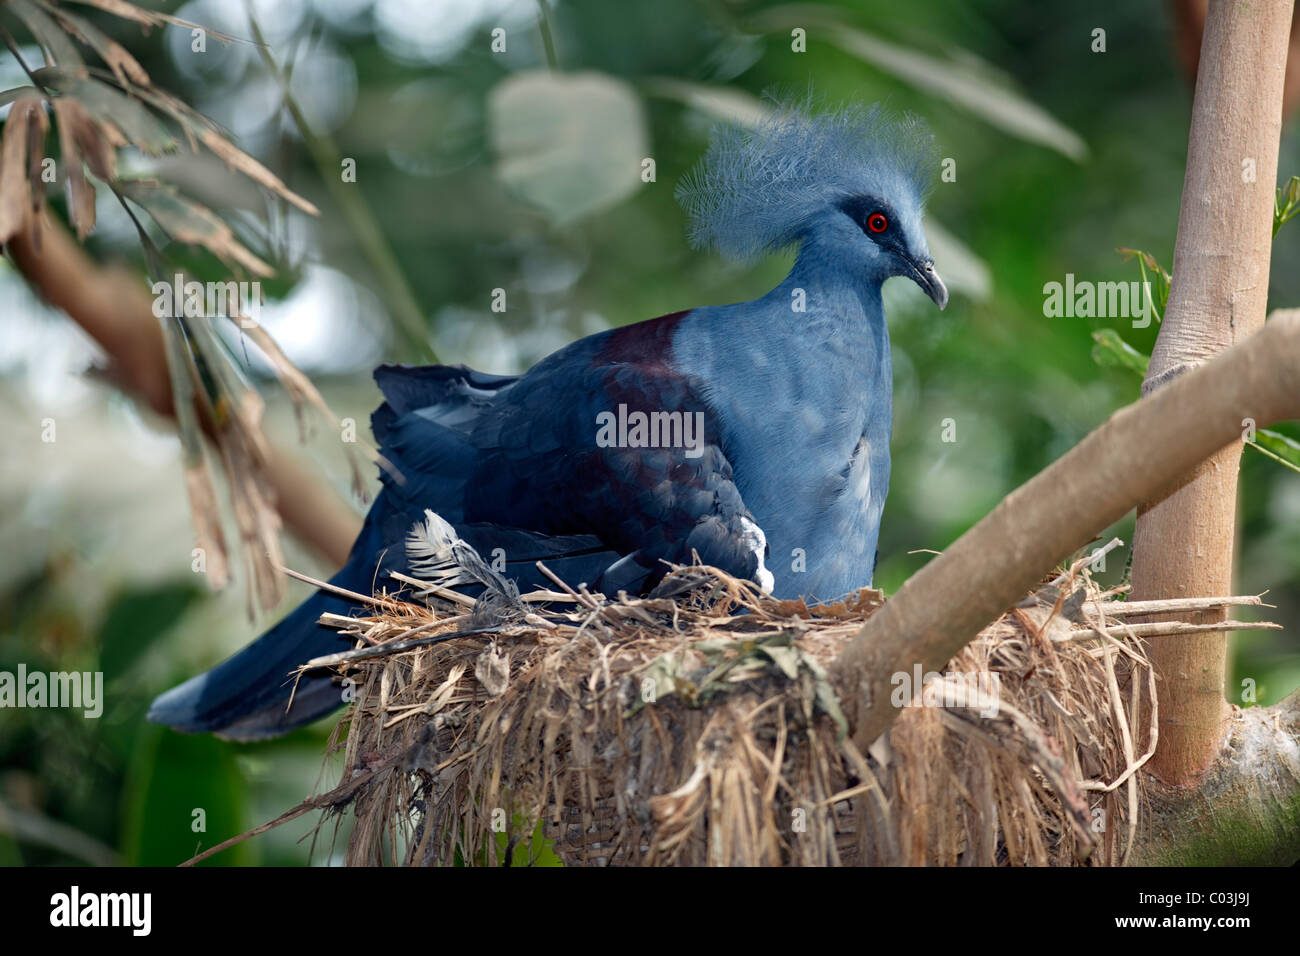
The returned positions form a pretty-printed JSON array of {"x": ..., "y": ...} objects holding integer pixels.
[{"x": 936, "y": 289}]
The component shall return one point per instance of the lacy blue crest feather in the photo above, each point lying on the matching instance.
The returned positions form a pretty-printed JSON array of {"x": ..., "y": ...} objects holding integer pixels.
[{"x": 758, "y": 188}]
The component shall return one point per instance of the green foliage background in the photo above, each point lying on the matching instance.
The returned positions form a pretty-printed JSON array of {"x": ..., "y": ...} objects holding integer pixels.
[{"x": 95, "y": 540}]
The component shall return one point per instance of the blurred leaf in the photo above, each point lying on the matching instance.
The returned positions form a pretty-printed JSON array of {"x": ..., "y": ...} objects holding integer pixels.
[
  {"x": 200, "y": 493},
  {"x": 535, "y": 851},
  {"x": 187, "y": 221},
  {"x": 238, "y": 160},
  {"x": 8, "y": 96},
  {"x": 81, "y": 138},
  {"x": 10, "y": 854},
  {"x": 124, "y": 119},
  {"x": 150, "y": 18},
  {"x": 171, "y": 777},
  {"x": 962, "y": 270},
  {"x": 32, "y": 827},
  {"x": 21, "y": 190},
  {"x": 120, "y": 61},
  {"x": 963, "y": 84},
  {"x": 569, "y": 143},
  {"x": 1279, "y": 447},
  {"x": 1112, "y": 351},
  {"x": 726, "y": 103},
  {"x": 53, "y": 39},
  {"x": 136, "y": 619}
]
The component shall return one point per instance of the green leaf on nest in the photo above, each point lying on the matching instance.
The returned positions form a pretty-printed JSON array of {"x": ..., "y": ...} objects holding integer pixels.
[{"x": 728, "y": 663}]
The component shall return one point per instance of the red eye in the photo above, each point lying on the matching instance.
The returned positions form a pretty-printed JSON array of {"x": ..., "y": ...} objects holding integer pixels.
[{"x": 877, "y": 222}]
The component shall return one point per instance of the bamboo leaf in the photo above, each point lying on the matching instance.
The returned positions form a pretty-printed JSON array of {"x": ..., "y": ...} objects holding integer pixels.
[
  {"x": 1111, "y": 350},
  {"x": 238, "y": 160},
  {"x": 726, "y": 103},
  {"x": 124, "y": 118},
  {"x": 152, "y": 18},
  {"x": 964, "y": 83},
  {"x": 53, "y": 39},
  {"x": 8, "y": 96},
  {"x": 80, "y": 139},
  {"x": 1152, "y": 273},
  {"x": 24, "y": 136},
  {"x": 124, "y": 66},
  {"x": 187, "y": 221},
  {"x": 204, "y": 512},
  {"x": 1281, "y": 448}
]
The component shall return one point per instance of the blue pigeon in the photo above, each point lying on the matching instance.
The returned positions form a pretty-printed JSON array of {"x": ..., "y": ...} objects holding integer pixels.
[{"x": 754, "y": 435}]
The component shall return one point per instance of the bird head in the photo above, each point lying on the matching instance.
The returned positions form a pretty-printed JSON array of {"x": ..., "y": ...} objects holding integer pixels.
[{"x": 846, "y": 185}]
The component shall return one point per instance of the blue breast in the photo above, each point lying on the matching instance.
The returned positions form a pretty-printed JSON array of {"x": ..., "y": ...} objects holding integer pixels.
[{"x": 805, "y": 402}]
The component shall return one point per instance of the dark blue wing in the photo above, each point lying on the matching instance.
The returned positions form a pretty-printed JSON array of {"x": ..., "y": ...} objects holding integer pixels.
[{"x": 517, "y": 466}]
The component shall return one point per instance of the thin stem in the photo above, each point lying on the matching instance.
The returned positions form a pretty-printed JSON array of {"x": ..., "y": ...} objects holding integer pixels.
[
  {"x": 548, "y": 42},
  {"x": 396, "y": 290},
  {"x": 13, "y": 48}
]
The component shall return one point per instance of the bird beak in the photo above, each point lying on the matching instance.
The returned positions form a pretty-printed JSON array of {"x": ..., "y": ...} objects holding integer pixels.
[{"x": 924, "y": 275}]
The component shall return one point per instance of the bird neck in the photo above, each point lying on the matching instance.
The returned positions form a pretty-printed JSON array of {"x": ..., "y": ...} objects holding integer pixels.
[{"x": 834, "y": 292}]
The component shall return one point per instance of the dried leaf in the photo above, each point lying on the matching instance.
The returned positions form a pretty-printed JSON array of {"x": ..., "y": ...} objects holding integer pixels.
[
  {"x": 187, "y": 221},
  {"x": 492, "y": 669},
  {"x": 129, "y": 120},
  {"x": 38, "y": 124},
  {"x": 303, "y": 392},
  {"x": 235, "y": 410},
  {"x": 124, "y": 66},
  {"x": 240, "y": 161},
  {"x": 151, "y": 18},
  {"x": 787, "y": 658},
  {"x": 54, "y": 40},
  {"x": 198, "y": 483},
  {"x": 80, "y": 138},
  {"x": 24, "y": 130}
]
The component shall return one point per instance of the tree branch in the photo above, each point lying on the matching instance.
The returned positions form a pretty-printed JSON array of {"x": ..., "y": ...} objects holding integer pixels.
[{"x": 1133, "y": 457}]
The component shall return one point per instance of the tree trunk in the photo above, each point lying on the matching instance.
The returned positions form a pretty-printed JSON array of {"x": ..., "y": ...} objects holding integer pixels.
[
  {"x": 1183, "y": 546},
  {"x": 1244, "y": 811}
]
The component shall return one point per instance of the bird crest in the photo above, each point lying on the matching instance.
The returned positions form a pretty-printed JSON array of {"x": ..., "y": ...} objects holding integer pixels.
[{"x": 759, "y": 187}]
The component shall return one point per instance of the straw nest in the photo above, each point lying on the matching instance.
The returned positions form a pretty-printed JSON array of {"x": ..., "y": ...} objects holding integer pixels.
[{"x": 699, "y": 726}]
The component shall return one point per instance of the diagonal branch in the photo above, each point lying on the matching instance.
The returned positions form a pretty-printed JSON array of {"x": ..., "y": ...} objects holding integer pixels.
[{"x": 1137, "y": 454}]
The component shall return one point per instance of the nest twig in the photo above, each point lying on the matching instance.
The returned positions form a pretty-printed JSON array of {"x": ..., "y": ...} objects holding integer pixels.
[{"x": 701, "y": 728}]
